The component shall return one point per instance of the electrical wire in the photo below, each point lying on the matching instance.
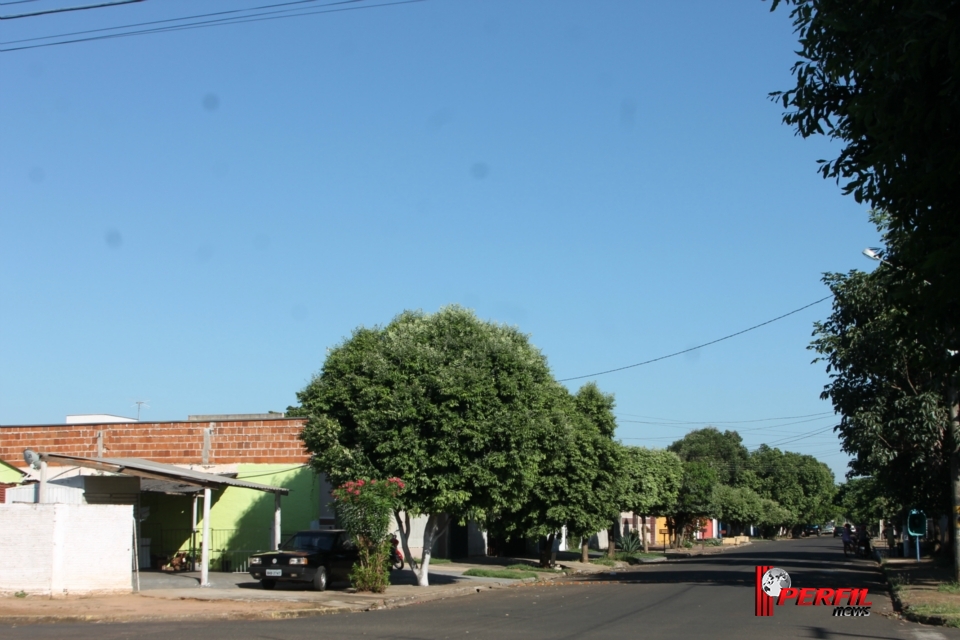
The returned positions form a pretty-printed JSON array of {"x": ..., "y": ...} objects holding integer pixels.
[
  {"x": 193, "y": 17},
  {"x": 700, "y": 346},
  {"x": 44, "y": 12},
  {"x": 273, "y": 473},
  {"x": 673, "y": 421},
  {"x": 219, "y": 22},
  {"x": 770, "y": 426}
]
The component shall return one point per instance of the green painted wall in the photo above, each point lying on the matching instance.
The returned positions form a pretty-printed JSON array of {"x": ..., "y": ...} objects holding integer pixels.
[
  {"x": 9, "y": 473},
  {"x": 240, "y": 519}
]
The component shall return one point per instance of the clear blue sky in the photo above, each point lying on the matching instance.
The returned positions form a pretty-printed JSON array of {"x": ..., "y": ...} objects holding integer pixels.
[{"x": 192, "y": 218}]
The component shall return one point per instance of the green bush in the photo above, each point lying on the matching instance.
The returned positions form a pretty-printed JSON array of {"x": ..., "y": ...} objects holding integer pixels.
[{"x": 363, "y": 508}]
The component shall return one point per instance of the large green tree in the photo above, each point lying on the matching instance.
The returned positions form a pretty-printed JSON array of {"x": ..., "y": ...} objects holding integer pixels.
[
  {"x": 883, "y": 79},
  {"x": 723, "y": 452},
  {"x": 455, "y": 406},
  {"x": 694, "y": 499},
  {"x": 600, "y": 506},
  {"x": 738, "y": 506},
  {"x": 800, "y": 484},
  {"x": 894, "y": 418},
  {"x": 652, "y": 482},
  {"x": 580, "y": 480}
]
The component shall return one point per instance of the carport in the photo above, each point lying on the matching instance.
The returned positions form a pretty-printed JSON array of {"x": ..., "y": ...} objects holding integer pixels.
[{"x": 167, "y": 472}]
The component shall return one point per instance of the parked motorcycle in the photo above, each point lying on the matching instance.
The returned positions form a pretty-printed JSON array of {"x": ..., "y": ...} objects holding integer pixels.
[{"x": 396, "y": 556}]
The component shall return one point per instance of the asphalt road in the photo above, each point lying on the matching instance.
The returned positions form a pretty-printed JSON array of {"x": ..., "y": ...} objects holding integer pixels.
[{"x": 710, "y": 595}]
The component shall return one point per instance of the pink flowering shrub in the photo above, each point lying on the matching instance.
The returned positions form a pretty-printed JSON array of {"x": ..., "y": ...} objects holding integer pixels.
[{"x": 364, "y": 508}]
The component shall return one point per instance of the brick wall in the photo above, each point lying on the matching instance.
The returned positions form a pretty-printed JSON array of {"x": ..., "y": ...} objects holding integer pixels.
[{"x": 250, "y": 441}]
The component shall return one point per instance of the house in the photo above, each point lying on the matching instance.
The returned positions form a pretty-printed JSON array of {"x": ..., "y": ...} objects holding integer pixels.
[{"x": 262, "y": 448}]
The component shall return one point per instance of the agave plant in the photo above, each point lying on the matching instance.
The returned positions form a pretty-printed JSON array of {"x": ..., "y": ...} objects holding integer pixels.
[{"x": 631, "y": 543}]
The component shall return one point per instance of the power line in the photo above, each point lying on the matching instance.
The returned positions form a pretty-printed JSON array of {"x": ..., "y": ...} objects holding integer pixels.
[
  {"x": 803, "y": 437},
  {"x": 700, "y": 346},
  {"x": 193, "y": 17},
  {"x": 678, "y": 422},
  {"x": 44, "y": 12},
  {"x": 764, "y": 428},
  {"x": 219, "y": 22}
]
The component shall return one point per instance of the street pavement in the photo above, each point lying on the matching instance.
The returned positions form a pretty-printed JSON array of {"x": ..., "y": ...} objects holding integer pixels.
[{"x": 711, "y": 595}]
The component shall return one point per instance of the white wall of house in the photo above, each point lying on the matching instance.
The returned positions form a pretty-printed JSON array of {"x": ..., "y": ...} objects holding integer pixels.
[{"x": 49, "y": 547}]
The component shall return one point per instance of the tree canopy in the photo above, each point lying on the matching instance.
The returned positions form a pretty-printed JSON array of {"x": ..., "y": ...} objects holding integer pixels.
[
  {"x": 883, "y": 78},
  {"x": 453, "y": 405},
  {"x": 722, "y": 452},
  {"x": 894, "y": 419}
]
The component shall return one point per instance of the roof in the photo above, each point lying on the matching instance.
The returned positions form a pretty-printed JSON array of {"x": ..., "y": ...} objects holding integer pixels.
[
  {"x": 159, "y": 471},
  {"x": 151, "y": 422}
]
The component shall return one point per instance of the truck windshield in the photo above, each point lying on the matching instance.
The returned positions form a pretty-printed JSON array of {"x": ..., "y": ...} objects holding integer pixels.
[{"x": 310, "y": 542}]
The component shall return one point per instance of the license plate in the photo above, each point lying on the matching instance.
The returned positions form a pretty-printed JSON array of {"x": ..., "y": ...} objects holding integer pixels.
[{"x": 274, "y": 572}]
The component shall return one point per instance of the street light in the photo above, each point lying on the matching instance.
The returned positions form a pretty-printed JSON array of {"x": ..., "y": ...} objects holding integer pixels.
[{"x": 873, "y": 253}]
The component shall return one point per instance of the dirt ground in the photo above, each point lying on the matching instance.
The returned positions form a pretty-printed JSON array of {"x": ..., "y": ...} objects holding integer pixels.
[{"x": 116, "y": 608}]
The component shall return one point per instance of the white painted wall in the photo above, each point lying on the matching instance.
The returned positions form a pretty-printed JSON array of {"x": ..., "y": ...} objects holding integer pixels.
[{"x": 61, "y": 549}]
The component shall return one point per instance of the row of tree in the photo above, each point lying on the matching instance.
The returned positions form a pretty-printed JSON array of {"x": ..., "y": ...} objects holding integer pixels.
[{"x": 469, "y": 416}]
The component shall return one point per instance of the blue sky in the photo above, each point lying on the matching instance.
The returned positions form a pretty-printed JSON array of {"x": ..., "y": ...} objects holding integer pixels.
[{"x": 192, "y": 218}]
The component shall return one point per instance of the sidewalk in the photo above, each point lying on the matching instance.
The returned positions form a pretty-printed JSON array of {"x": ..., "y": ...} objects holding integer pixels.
[
  {"x": 924, "y": 591},
  {"x": 165, "y": 596}
]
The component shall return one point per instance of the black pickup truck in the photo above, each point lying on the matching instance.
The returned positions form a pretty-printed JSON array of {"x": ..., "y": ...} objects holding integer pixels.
[{"x": 313, "y": 557}]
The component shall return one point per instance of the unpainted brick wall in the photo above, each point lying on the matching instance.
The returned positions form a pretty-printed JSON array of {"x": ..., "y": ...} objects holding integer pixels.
[
  {"x": 248, "y": 441},
  {"x": 63, "y": 549}
]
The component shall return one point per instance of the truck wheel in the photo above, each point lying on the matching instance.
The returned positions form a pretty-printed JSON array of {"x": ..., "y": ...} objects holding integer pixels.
[
  {"x": 268, "y": 584},
  {"x": 320, "y": 579}
]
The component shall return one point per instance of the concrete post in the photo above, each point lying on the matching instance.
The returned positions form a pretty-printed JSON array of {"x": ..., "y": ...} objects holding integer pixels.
[
  {"x": 205, "y": 548},
  {"x": 42, "y": 493},
  {"x": 276, "y": 520}
]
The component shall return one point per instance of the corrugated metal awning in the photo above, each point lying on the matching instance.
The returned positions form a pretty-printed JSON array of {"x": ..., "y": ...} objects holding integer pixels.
[{"x": 158, "y": 471}]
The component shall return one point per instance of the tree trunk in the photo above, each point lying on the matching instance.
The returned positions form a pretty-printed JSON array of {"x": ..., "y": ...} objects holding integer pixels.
[
  {"x": 436, "y": 525},
  {"x": 645, "y": 534},
  {"x": 954, "y": 439},
  {"x": 612, "y": 542},
  {"x": 405, "y": 540},
  {"x": 546, "y": 549},
  {"x": 585, "y": 549}
]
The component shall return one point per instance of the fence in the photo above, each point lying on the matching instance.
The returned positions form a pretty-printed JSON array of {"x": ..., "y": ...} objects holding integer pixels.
[{"x": 167, "y": 542}]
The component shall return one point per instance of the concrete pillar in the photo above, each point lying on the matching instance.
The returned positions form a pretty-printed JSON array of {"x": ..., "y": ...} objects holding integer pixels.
[
  {"x": 276, "y": 520},
  {"x": 42, "y": 493},
  {"x": 205, "y": 544}
]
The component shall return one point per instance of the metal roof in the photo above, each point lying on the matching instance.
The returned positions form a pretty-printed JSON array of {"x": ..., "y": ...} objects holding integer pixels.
[{"x": 158, "y": 471}]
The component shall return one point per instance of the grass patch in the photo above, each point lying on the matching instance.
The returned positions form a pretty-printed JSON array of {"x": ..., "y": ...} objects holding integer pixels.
[
  {"x": 440, "y": 561},
  {"x": 940, "y": 609},
  {"x": 530, "y": 567},
  {"x": 949, "y": 587},
  {"x": 636, "y": 558},
  {"x": 607, "y": 562},
  {"x": 508, "y": 574}
]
